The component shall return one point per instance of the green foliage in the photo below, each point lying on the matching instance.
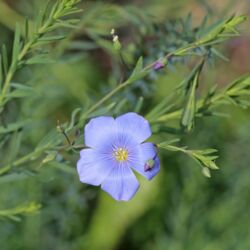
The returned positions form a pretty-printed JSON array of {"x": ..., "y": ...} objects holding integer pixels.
[
  {"x": 205, "y": 157},
  {"x": 20, "y": 210},
  {"x": 66, "y": 66},
  {"x": 188, "y": 115},
  {"x": 45, "y": 23}
]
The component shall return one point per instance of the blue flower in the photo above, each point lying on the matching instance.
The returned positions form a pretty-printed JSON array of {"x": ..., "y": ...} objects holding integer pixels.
[{"x": 115, "y": 147}]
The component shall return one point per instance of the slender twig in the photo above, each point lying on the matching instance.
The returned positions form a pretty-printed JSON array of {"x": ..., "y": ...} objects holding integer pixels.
[
  {"x": 177, "y": 113},
  {"x": 128, "y": 82},
  {"x": 31, "y": 156}
]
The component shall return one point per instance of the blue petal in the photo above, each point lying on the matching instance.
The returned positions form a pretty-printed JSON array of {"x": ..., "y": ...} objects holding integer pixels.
[
  {"x": 146, "y": 152},
  {"x": 93, "y": 167},
  {"x": 121, "y": 184},
  {"x": 134, "y": 125},
  {"x": 99, "y": 130}
]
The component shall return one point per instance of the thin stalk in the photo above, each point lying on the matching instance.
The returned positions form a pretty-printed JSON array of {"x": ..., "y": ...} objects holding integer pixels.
[
  {"x": 20, "y": 57},
  {"x": 127, "y": 82},
  {"x": 106, "y": 97},
  {"x": 177, "y": 113},
  {"x": 21, "y": 160}
]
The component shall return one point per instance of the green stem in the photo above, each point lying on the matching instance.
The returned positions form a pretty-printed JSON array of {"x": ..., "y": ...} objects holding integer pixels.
[
  {"x": 25, "y": 50},
  {"x": 106, "y": 97},
  {"x": 31, "y": 156},
  {"x": 12, "y": 71},
  {"x": 173, "y": 148},
  {"x": 127, "y": 82},
  {"x": 177, "y": 113}
]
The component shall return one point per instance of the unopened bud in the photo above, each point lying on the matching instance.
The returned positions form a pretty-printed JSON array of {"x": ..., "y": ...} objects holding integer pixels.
[
  {"x": 115, "y": 39},
  {"x": 158, "y": 65}
]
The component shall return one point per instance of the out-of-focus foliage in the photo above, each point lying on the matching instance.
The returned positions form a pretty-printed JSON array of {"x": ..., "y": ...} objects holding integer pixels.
[{"x": 60, "y": 65}]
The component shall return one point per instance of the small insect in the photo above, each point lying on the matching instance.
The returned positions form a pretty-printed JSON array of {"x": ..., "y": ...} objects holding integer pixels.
[
  {"x": 149, "y": 165},
  {"x": 150, "y": 162}
]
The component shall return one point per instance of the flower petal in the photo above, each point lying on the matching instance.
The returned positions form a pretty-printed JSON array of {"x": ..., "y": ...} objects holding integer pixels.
[
  {"x": 134, "y": 125},
  {"x": 121, "y": 184},
  {"x": 147, "y": 152},
  {"x": 93, "y": 167},
  {"x": 99, "y": 130}
]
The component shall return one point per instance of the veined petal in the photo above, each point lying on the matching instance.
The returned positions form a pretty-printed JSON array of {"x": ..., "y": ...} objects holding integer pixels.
[
  {"x": 99, "y": 130},
  {"x": 134, "y": 125},
  {"x": 93, "y": 167},
  {"x": 147, "y": 152},
  {"x": 121, "y": 184}
]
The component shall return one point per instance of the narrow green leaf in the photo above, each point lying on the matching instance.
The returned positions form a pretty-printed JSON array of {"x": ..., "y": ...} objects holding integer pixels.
[
  {"x": 39, "y": 59},
  {"x": 169, "y": 142},
  {"x": 118, "y": 108},
  {"x": 103, "y": 110},
  {"x": 62, "y": 166},
  {"x": 49, "y": 140},
  {"x": 73, "y": 118},
  {"x": 29, "y": 208},
  {"x": 219, "y": 54},
  {"x": 26, "y": 30},
  {"x": 20, "y": 91},
  {"x": 16, "y": 45},
  {"x": 187, "y": 119},
  {"x": 13, "y": 177},
  {"x": 5, "y": 59},
  {"x": 1, "y": 72},
  {"x": 11, "y": 127},
  {"x": 51, "y": 38},
  {"x": 188, "y": 114},
  {"x": 139, "y": 104},
  {"x": 162, "y": 107},
  {"x": 51, "y": 155},
  {"x": 14, "y": 147},
  {"x": 138, "y": 71}
]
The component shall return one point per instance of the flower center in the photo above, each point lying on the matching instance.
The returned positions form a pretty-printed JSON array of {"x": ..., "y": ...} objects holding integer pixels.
[{"x": 121, "y": 154}]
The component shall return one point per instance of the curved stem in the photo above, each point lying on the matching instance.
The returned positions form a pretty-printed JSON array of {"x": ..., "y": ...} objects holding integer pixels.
[
  {"x": 146, "y": 68},
  {"x": 106, "y": 97},
  {"x": 177, "y": 113},
  {"x": 33, "y": 155}
]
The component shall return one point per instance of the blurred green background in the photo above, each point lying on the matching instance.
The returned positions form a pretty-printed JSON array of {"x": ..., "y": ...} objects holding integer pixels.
[{"x": 180, "y": 209}]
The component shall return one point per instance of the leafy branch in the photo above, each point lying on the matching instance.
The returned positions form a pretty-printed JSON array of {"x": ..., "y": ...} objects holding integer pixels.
[
  {"x": 224, "y": 29},
  {"x": 21, "y": 52},
  {"x": 235, "y": 93},
  {"x": 14, "y": 213},
  {"x": 205, "y": 158},
  {"x": 213, "y": 34}
]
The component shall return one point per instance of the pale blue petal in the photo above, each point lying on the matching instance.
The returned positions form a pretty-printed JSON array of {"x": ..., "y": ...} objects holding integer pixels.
[
  {"x": 121, "y": 184},
  {"x": 146, "y": 152},
  {"x": 93, "y": 167},
  {"x": 134, "y": 125},
  {"x": 99, "y": 130}
]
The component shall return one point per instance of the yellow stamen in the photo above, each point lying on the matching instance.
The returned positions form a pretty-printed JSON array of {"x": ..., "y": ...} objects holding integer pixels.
[{"x": 121, "y": 154}]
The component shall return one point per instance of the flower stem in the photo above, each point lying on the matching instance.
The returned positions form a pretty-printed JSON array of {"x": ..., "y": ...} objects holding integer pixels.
[
  {"x": 33, "y": 155},
  {"x": 127, "y": 82},
  {"x": 177, "y": 113},
  {"x": 106, "y": 97}
]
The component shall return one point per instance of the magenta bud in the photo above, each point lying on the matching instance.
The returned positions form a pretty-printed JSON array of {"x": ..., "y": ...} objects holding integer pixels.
[{"x": 158, "y": 65}]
